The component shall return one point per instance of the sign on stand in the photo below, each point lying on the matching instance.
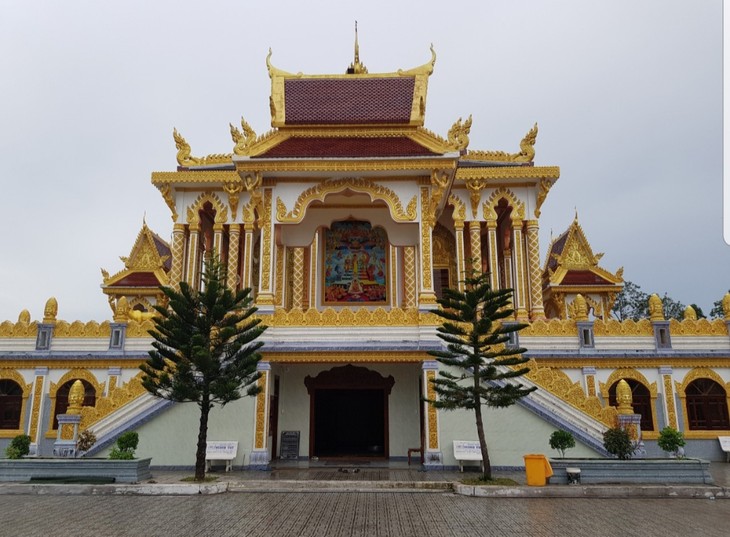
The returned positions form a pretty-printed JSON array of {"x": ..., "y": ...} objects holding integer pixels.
[{"x": 289, "y": 445}]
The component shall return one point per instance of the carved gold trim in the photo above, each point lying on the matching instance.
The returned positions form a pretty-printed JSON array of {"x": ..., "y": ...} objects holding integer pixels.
[
  {"x": 319, "y": 193},
  {"x": 266, "y": 242},
  {"x": 699, "y": 327},
  {"x": 681, "y": 387},
  {"x": 185, "y": 158},
  {"x": 433, "y": 433},
  {"x": 552, "y": 327},
  {"x": 633, "y": 374},
  {"x": 73, "y": 374},
  {"x": 559, "y": 384},
  {"x": 37, "y": 399},
  {"x": 505, "y": 173},
  {"x": 217, "y": 177},
  {"x": 350, "y": 317},
  {"x": 221, "y": 212},
  {"x": 261, "y": 411},
  {"x": 526, "y": 154},
  {"x": 518, "y": 207},
  {"x": 9, "y": 374},
  {"x": 669, "y": 399},
  {"x": 352, "y": 166},
  {"x": 407, "y": 357},
  {"x": 627, "y": 328},
  {"x": 117, "y": 397},
  {"x": 78, "y": 329},
  {"x": 9, "y": 329}
]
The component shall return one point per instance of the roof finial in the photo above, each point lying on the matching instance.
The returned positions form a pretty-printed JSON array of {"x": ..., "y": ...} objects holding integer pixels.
[
  {"x": 576, "y": 213},
  {"x": 356, "y": 68}
]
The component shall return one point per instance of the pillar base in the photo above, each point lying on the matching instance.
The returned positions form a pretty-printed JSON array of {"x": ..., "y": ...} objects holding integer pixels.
[{"x": 259, "y": 460}]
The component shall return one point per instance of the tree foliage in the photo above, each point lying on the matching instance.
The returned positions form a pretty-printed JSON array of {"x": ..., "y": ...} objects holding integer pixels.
[
  {"x": 717, "y": 312},
  {"x": 561, "y": 441},
  {"x": 633, "y": 303},
  {"x": 205, "y": 348},
  {"x": 479, "y": 364}
]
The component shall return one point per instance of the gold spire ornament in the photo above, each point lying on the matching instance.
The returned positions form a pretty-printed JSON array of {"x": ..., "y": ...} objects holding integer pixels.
[
  {"x": 50, "y": 311},
  {"x": 356, "y": 67},
  {"x": 624, "y": 399},
  {"x": 656, "y": 308},
  {"x": 76, "y": 398}
]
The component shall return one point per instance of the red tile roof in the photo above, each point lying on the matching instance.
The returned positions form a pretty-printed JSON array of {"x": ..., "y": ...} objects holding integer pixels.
[
  {"x": 138, "y": 279},
  {"x": 352, "y": 147},
  {"x": 583, "y": 277},
  {"x": 327, "y": 101}
]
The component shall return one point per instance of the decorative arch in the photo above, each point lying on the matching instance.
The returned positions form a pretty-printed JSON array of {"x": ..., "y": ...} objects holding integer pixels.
[
  {"x": 221, "y": 212},
  {"x": 488, "y": 206},
  {"x": 681, "y": 388},
  {"x": 444, "y": 254},
  {"x": 141, "y": 302},
  {"x": 333, "y": 186},
  {"x": 74, "y": 374},
  {"x": 649, "y": 422},
  {"x": 26, "y": 389}
]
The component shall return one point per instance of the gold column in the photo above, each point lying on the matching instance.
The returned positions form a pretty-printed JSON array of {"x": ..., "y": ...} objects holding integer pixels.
[
  {"x": 493, "y": 265},
  {"x": 279, "y": 285},
  {"x": 247, "y": 256},
  {"x": 589, "y": 377},
  {"x": 193, "y": 254},
  {"x": 520, "y": 276},
  {"x": 475, "y": 241},
  {"x": 671, "y": 412},
  {"x": 234, "y": 238},
  {"x": 460, "y": 261},
  {"x": 313, "y": 257},
  {"x": 218, "y": 239},
  {"x": 409, "y": 277},
  {"x": 508, "y": 269},
  {"x": 259, "y": 454},
  {"x": 266, "y": 295},
  {"x": 393, "y": 277},
  {"x": 432, "y": 445},
  {"x": 41, "y": 373},
  {"x": 533, "y": 258},
  {"x": 178, "y": 253},
  {"x": 297, "y": 285},
  {"x": 426, "y": 296}
]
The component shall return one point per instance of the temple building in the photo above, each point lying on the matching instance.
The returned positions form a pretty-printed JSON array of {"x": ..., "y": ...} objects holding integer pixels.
[{"x": 347, "y": 220}]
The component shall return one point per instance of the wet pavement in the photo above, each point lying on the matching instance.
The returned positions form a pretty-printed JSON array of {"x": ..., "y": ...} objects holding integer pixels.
[{"x": 253, "y": 508}]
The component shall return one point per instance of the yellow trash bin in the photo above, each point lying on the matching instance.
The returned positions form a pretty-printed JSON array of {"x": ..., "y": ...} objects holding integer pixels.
[{"x": 538, "y": 469}]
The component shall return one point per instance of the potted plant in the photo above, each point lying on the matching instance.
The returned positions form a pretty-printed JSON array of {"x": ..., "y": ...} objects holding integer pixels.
[
  {"x": 561, "y": 441},
  {"x": 671, "y": 441}
]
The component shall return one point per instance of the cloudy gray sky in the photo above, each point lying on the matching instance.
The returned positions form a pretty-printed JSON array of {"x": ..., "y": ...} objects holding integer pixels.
[{"x": 627, "y": 94}]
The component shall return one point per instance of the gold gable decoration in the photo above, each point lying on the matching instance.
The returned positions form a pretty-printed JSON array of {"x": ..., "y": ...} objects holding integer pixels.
[{"x": 526, "y": 154}]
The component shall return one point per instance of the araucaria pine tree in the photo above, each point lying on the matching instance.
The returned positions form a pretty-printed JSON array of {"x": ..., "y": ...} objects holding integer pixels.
[
  {"x": 480, "y": 364},
  {"x": 205, "y": 348}
]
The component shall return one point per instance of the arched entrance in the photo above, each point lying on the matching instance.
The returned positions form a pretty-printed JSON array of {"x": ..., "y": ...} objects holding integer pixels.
[{"x": 348, "y": 412}]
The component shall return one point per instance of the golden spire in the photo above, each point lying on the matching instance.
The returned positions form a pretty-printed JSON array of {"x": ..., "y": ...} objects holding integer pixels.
[{"x": 357, "y": 68}]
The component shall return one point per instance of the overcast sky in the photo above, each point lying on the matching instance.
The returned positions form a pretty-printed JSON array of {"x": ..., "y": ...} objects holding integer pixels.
[{"x": 627, "y": 94}]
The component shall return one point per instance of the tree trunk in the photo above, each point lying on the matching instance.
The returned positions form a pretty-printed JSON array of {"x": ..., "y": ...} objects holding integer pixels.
[
  {"x": 202, "y": 439},
  {"x": 487, "y": 475}
]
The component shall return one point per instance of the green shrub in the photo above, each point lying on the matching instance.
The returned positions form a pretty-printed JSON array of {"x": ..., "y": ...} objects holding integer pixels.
[
  {"x": 120, "y": 454},
  {"x": 126, "y": 444},
  {"x": 670, "y": 440},
  {"x": 19, "y": 447},
  {"x": 618, "y": 442},
  {"x": 562, "y": 440}
]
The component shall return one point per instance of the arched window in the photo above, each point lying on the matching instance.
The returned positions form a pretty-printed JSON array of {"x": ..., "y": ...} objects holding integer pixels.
[
  {"x": 641, "y": 399},
  {"x": 706, "y": 405},
  {"x": 62, "y": 398},
  {"x": 11, "y": 403}
]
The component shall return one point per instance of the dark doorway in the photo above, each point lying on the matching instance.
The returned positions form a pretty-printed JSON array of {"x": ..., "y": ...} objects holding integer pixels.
[
  {"x": 349, "y": 423},
  {"x": 348, "y": 412}
]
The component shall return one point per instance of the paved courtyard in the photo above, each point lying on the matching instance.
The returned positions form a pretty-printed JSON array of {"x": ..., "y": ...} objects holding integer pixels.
[{"x": 356, "y": 514}]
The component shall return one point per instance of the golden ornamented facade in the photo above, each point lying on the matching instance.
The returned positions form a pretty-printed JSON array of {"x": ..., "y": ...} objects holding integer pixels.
[{"x": 347, "y": 219}]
